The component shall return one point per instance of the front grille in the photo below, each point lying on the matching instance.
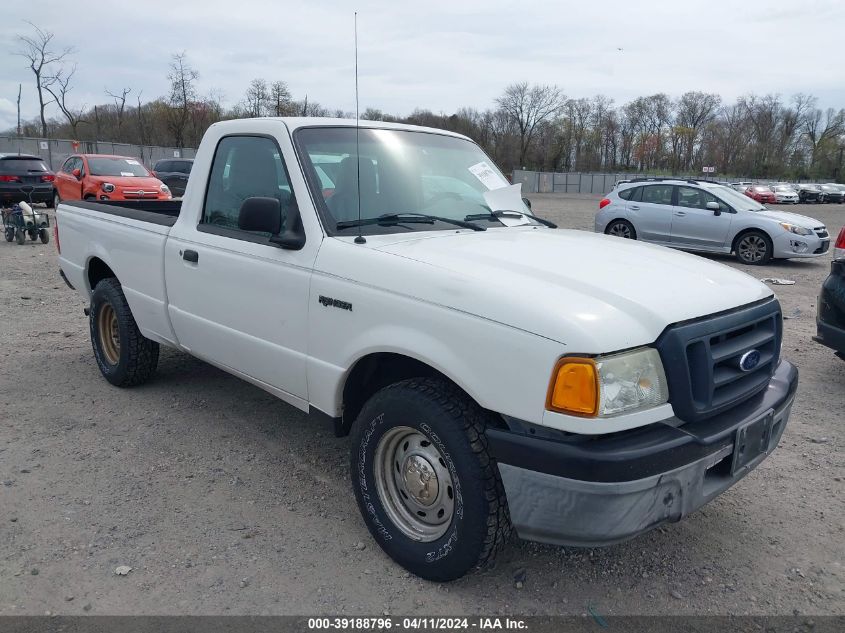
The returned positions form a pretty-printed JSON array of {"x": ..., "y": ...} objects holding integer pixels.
[
  {"x": 821, "y": 232},
  {"x": 702, "y": 358}
]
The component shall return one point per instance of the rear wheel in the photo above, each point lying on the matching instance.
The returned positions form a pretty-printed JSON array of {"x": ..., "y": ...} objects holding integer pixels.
[
  {"x": 125, "y": 357},
  {"x": 753, "y": 248},
  {"x": 9, "y": 234},
  {"x": 56, "y": 199},
  {"x": 20, "y": 236},
  {"x": 426, "y": 485},
  {"x": 621, "y": 228},
  {"x": 44, "y": 234}
]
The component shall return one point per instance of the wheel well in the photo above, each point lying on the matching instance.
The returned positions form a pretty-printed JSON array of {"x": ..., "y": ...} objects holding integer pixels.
[
  {"x": 374, "y": 372},
  {"x": 97, "y": 271},
  {"x": 625, "y": 220},
  {"x": 746, "y": 232}
]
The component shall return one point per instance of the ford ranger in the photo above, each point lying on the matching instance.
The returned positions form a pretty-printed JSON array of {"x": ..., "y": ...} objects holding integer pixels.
[{"x": 494, "y": 372}]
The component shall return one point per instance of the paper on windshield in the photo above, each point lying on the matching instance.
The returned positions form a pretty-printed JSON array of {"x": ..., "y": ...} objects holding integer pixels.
[
  {"x": 507, "y": 199},
  {"x": 132, "y": 162},
  {"x": 126, "y": 173},
  {"x": 487, "y": 175}
]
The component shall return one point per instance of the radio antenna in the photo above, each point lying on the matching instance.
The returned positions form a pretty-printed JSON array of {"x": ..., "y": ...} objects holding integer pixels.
[{"x": 360, "y": 239}]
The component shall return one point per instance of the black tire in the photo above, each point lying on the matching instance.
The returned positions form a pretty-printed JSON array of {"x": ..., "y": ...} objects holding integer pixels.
[
  {"x": 454, "y": 425},
  {"x": 57, "y": 199},
  {"x": 33, "y": 234},
  {"x": 621, "y": 228},
  {"x": 753, "y": 248},
  {"x": 135, "y": 358},
  {"x": 44, "y": 234},
  {"x": 9, "y": 234},
  {"x": 52, "y": 202},
  {"x": 20, "y": 237}
]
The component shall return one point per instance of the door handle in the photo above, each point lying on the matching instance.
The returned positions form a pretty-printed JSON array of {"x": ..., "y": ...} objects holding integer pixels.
[
  {"x": 634, "y": 207},
  {"x": 191, "y": 256},
  {"x": 680, "y": 213}
]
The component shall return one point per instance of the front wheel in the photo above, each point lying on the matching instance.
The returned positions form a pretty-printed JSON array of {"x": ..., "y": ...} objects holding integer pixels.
[
  {"x": 754, "y": 248},
  {"x": 9, "y": 234},
  {"x": 426, "y": 485},
  {"x": 20, "y": 237},
  {"x": 621, "y": 228},
  {"x": 125, "y": 357},
  {"x": 44, "y": 234}
]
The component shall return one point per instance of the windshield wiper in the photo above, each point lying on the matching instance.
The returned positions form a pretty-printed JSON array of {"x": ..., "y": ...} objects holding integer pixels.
[
  {"x": 509, "y": 214},
  {"x": 388, "y": 219}
]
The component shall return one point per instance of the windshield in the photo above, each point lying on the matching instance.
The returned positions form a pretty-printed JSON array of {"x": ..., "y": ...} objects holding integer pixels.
[
  {"x": 117, "y": 166},
  {"x": 737, "y": 200},
  {"x": 401, "y": 171}
]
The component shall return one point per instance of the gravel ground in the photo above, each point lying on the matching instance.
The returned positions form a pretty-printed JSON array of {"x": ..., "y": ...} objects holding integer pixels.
[{"x": 224, "y": 500}]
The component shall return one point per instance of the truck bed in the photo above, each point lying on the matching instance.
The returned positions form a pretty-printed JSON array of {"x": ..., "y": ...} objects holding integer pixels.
[{"x": 163, "y": 212}]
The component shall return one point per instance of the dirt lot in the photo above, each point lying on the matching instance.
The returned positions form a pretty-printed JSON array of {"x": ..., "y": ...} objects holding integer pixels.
[{"x": 225, "y": 500}]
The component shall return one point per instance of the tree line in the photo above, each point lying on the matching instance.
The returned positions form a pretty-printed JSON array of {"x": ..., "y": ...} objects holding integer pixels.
[{"x": 529, "y": 126}]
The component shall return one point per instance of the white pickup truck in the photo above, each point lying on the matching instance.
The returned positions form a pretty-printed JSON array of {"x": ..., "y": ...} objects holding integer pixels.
[{"x": 494, "y": 372}]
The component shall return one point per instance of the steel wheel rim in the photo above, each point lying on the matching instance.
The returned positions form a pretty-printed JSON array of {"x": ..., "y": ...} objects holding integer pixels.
[
  {"x": 109, "y": 333},
  {"x": 414, "y": 484},
  {"x": 621, "y": 230},
  {"x": 752, "y": 248}
]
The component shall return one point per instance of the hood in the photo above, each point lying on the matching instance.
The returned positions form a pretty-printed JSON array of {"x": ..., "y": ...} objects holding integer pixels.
[
  {"x": 793, "y": 218},
  {"x": 589, "y": 291}
]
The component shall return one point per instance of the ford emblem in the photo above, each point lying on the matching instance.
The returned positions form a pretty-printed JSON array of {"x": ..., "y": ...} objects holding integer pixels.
[{"x": 749, "y": 360}]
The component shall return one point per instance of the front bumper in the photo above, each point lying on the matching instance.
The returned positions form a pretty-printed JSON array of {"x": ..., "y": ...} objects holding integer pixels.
[
  {"x": 607, "y": 489},
  {"x": 789, "y": 245}
]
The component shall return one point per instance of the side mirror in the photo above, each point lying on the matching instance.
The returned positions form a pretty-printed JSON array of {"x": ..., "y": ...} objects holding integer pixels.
[
  {"x": 264, "y": 215},
  {"x": 526, "y": 202},
  {"x": 77, "y": 173},
  {"x": 714, "y": 207}
]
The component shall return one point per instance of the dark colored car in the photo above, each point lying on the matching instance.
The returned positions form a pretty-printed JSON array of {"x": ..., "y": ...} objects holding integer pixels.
[
  {"x": 18, "y": 172},
  {"x": 830, "y": 322},
  {"x": 761, "y": 193},
  {"x": 810, "y": 193},
  {"x": 174, "y": 173},
  {"x": 833, "y": 193}
]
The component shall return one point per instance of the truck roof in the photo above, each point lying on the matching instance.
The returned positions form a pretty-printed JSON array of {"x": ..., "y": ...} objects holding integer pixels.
[{"x": 294, "y": 123}]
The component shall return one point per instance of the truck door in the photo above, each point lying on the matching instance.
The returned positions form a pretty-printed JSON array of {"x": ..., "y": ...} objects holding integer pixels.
[
  {"x": 694, "y": 225},
  {"x": 235, "y": 299}
]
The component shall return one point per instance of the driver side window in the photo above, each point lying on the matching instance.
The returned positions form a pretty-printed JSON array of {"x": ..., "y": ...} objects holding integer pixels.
[{"x": 244, "y": 167}]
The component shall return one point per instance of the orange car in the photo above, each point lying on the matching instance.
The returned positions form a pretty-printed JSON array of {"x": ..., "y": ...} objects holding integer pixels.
[{"x": 107, "y": 177}]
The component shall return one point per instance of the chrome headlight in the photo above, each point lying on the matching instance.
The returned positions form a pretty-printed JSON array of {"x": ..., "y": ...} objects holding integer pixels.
[
  {"x": 632, "y": 380},
  {"x": 107, "y": 187},
  {"x": 608, "y": 385},
  {"x": 165, "y": 189},
  {"x": 798, "y": 230}
]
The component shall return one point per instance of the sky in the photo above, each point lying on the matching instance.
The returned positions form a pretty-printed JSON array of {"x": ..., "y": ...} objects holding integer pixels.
[{"x": 438, "y": 55}]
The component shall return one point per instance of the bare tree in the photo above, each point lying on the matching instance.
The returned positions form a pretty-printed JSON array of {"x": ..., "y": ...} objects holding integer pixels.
[
  {"x": 527, "y": 107},
  {"x": 257, "y": 98},
  {"x": 119, "y": 106},
  {"x": 280, "y": 98},
  {"x": 183, "y": 93},
  {"x": 20, "y": 87},
  {"x": 36, "y": 49},
  {"x": 58, "y": 85},
  {"x": 822, "y": 128}
]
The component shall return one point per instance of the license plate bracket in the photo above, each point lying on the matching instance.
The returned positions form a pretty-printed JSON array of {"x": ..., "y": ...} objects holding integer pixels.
[{"x": 751, "y": 441}]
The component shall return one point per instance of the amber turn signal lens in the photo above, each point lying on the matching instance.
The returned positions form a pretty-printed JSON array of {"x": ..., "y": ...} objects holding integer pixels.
[{"x": 574, "y": 388}]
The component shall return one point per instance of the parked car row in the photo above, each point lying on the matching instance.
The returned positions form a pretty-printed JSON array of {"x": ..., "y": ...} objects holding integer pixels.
[
  {"x": 788, "y": 193},
  {"x": 25, "y": 177}
]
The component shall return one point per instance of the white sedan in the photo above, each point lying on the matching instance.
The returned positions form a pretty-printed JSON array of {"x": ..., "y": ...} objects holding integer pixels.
[{"x": 785, "y": 194}]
